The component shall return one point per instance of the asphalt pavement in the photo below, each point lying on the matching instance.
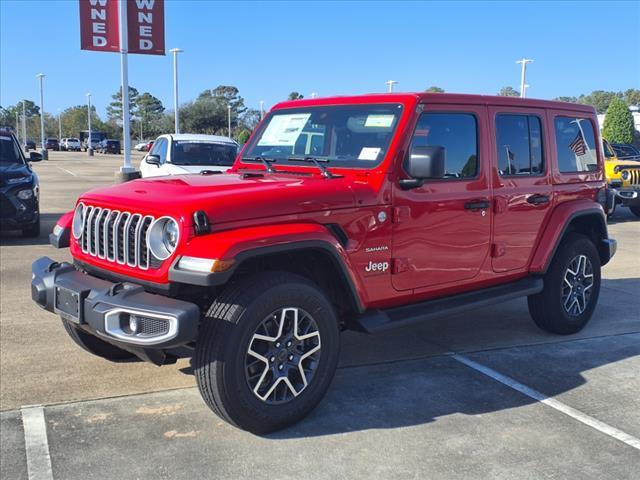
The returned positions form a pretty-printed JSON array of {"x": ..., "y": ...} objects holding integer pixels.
[{"x": 483, "y": 394}]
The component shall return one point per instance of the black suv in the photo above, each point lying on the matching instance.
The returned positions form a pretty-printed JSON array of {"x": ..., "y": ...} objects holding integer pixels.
[
  {"x": 109, "y": 146},
  {"x": 19, "y": 188},
  {"x": 52, "y": 144}
]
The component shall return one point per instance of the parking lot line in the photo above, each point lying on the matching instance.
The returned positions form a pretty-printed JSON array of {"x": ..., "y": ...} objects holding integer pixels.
[
  {"x": 555, "y": 404},
  {"x": 67, "y": 171},
  {"x": 36, "y": 444}
]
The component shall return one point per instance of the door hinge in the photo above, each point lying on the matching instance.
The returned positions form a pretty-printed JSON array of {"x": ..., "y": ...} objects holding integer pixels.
[
  {"x": 498, "y": 250},
  {"x": 400, "y": 213},
  {"x": 399, "y": 265}
]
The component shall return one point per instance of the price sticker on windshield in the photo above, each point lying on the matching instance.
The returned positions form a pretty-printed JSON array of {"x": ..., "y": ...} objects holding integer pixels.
[
  {"x": 369, "y": 153},
  {"x": 284, "y": 130},
  {"x": 380, "y": 121}
]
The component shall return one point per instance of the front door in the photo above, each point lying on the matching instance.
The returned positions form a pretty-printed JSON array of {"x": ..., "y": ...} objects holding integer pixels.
[
  {"x": 522, "y": 189},
  {"x": 442, "y": 230}
]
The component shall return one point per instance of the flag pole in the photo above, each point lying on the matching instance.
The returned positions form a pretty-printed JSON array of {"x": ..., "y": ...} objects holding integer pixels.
[{"x": 127, "y": 172}]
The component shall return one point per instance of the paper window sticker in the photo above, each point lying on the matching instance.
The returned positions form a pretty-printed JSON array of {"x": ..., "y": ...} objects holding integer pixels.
[{"x": 369, "y": 153}]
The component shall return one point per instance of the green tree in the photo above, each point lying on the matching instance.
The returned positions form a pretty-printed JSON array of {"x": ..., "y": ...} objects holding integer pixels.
[
  {"x": 600, "y": 99},
  {"x": 567, "y": 99},
  {"x": 225, "y": 95},
  {"x": 618, "y": 123},
  {"x": 114, "y": 109},
  {"x": 243, "y": 136},
  {"x": 148, "y": 115},
  {"x": 434, "y": 89},
  {"x": 508, "y": 92},
  {"x": 632, "y": 97},
  {"x": 295, "y": 96}
]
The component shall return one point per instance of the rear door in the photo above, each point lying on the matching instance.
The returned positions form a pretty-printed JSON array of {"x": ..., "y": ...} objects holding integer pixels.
[
  {"x": 522, "y": 190},
  {"x": 442, "y": 230}
]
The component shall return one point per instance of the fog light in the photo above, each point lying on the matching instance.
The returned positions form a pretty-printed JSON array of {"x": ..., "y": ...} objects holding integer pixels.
[
  {"x": 25, "y": 194},
  {"x": 133, "y": 324}
]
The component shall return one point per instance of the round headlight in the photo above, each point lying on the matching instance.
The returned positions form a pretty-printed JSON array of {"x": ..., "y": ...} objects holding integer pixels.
[
  {"x": 162, "y": 237},
  {"x": 625, "y": 175},
  {"x": 78, "y": 221}
]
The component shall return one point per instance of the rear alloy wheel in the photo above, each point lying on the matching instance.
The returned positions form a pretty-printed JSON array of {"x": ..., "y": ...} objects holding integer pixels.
[
  {"x": 571, "y": 287},
  {"x": 267, "y": 351}
]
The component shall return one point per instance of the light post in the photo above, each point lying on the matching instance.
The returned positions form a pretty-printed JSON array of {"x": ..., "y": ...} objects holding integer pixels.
[
  {"x": 59, "y": 126},
  {"x": 390, "y": 84},
  {"x": 24, "y": 123},
  {"x": 229, "y": 117},
  {"x": 43, "y": 150},
  {"x": 17, "y": 127},
  {"x": 89, "y": 144},
  {"x": 523, "y": 76},
  {"x": 175, "y": 52},
  {"x": 261, "y": 109}
]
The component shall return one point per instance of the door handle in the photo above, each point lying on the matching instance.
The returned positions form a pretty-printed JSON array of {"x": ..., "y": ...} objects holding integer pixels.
[
  {"x": 477, "y": 204},
  {"x": 537, "y": 199}
]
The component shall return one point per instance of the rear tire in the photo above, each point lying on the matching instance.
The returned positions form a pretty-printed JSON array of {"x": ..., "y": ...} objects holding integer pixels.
[
  {"x": 96, "y": 346},
  {"x": 265, "y": 385},
  {"x": 571, "y": 287},
  {"x": 635, "y": 210}
]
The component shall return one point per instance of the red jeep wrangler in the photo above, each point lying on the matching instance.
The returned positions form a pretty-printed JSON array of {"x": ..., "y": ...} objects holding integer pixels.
[{"x": 365, "y": 212}]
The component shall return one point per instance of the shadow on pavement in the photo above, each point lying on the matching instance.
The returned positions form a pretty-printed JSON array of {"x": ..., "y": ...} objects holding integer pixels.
[{"x": 15, "y": 238}]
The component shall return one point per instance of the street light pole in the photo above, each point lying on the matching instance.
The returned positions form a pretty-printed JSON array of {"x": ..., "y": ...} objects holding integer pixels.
[
  {"x": 229, "y": 117},
  {"x": 391, "y": 83},
  {"x": 127, "y": 172},
  {"x": 523, "y": 76},
  {"x": 24, "y": 123},
  {"x": 261, "y": 109},
  {"x": 89, "y": 144},
  {"x": 59, "y": 126},
  {"x": 43, "y": 150},
  {"x": 175, "y": 52}
]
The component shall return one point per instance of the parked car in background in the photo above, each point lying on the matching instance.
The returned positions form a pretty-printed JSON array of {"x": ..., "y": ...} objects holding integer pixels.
[
  {"x": 19, "y": 188},
  {"x": 623, "y": 178},
  {"x": 29, "y": 145},
  {"x": 52, "y": 144},
  {"x": 71, "y": 145},
  {"x": 109, "y": 145},
  {"x": 149, "y": 146},
  {"x": 189, "y": 153},
  {"x": 96, "y": 138},
  {"x": 141, "y": 146}
]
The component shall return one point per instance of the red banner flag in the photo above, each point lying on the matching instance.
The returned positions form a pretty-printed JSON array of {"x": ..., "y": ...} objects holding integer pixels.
[
  {"x": 99, "y": 25},
  {"x": 145, "y": 22}
]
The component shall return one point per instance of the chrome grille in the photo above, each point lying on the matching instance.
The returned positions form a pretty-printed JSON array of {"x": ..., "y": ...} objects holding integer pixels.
[
  {"x": 116, "y": 236},
  {"x": 635, "y": 176}
]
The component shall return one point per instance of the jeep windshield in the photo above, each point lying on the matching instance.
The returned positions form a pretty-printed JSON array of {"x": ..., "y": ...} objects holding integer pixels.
[{"x": 340, "y": 135}]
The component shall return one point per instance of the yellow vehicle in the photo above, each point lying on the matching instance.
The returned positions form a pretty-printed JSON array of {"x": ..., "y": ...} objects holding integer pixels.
[{"x": 623, "y": 177}]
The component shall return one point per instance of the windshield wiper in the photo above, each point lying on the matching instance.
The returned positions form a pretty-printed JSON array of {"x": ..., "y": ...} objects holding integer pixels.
[
  {"x": 265, "y": 161},
  {"x": 317, "y": 162}
]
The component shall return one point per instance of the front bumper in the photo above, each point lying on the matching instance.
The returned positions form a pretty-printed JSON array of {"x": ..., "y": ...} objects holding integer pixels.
[
  {"x": 109, "y": 310},
  {"x": 628, "y": 196}
]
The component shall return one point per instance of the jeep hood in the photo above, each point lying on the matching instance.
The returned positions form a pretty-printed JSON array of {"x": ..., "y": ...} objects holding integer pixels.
[{"x": 229, "y": 196}]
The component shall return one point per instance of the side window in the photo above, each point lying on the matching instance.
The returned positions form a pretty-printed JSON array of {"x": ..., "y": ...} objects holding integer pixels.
[
  {"x": 457, "y": 133},
  {"x": 160, "y": 149},
  {"x": 519, "y": 143},
  {"x": 575, "y": 145}
]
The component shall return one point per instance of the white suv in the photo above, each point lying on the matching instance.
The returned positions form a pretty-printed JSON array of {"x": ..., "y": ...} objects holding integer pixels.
[
  {"x": 70, "y": 144},
  {"x": 188, "y": 153}
]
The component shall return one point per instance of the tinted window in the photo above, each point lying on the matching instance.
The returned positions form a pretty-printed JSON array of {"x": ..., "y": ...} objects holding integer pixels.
[
  {"x": 519, "y": 143},
  {"x": 9, "y": 150},
  {"x": 575, "y": 145},
  {"x": 203, "y": 153},
  {"x": 456, "y": 132}
]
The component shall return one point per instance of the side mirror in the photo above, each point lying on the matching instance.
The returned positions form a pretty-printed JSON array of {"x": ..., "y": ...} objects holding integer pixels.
[
  {"x": 423, "y": 163},
  {"x": 35, "y": 157},
  {"x": 153, "y": 160}
]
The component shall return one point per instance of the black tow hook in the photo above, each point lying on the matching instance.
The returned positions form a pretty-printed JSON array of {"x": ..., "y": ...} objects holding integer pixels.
[{"x": 116, "y": 288}]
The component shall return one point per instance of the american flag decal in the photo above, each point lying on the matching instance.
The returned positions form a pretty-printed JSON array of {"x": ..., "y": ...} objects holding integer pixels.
[{"x": 578, "y": 146}]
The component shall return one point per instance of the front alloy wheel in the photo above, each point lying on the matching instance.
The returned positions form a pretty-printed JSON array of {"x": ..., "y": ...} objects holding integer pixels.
[
  {"x": 283, "y": 355},
  {"x": 578, "y": 281}
]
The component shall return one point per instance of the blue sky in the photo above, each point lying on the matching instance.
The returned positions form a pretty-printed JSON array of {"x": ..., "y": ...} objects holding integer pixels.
[{"x": 268, "y": 49}]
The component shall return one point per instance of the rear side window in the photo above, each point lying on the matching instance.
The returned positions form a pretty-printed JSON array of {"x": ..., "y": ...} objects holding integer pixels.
[
  {"x": 575, "y": 145},
  {"x": 457, "y": 133},
  {"x": 519, "y": 143}
]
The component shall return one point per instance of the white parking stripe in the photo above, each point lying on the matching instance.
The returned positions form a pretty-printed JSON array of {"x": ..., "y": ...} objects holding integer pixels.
[
  {"x": 555, "y": 404},
  {"x": 67, "y": 171},
  {"x": 36, "y": 444}
]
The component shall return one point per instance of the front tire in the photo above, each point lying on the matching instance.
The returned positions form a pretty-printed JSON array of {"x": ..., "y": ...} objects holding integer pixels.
[
  {"x": 571, "y": 288},
  {"x": 267, "y": 351}
]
